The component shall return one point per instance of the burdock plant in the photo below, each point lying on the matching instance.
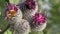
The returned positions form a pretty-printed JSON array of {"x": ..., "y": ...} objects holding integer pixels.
[{"x": 24, "y": 17}]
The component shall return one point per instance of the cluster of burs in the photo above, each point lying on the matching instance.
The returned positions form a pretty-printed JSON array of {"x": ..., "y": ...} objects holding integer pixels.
[{"x": 25, "y": 17}]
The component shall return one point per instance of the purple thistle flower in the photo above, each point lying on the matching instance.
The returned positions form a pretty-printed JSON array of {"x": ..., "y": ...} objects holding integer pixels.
[
  {"x": 12, "y": 11},
  {"x": 30, "y": 4},
  {"x": 12, "y": 7},
  {"x": 39, "y": 18}
]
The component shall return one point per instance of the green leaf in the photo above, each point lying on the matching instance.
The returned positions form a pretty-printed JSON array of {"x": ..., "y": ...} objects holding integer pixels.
[
  {"x": 14, "y": 1},
  {"x": 8, "y": 32},
  {"x": 3, "y": 23},
  {"x": 55, "y": 29}
]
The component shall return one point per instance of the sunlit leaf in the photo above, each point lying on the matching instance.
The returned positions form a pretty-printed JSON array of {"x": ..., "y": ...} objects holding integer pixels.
[
  {"x": 8, "y": 32},
  {"x": 14, "y": 1}
]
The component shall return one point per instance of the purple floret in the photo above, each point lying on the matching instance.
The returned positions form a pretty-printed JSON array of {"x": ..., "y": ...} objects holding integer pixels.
[
  {"x": 39, "y": 18},
  {"x": 12, "y": 7},
  {"x": 31, "y": 4}
]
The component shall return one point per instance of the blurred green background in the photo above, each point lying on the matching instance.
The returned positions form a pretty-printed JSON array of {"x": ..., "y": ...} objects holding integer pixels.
[{"x": 52, "y": 8}]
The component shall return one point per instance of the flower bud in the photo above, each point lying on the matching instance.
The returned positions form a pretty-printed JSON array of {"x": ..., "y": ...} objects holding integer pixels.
[{"x": 22, "y": 27}]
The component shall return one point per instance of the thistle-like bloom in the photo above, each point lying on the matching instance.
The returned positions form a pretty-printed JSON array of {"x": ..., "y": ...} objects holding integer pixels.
[
  {"x": 11, "y": 10},
  {"x": 22, "y": 27},
  {"x": 30, "y": 4},
  {"x": 39, "y": 18},
  {"x": 29, "y": 8},
  {"x": 39, "y": 22},
  {"x": 12, "y": 13}
]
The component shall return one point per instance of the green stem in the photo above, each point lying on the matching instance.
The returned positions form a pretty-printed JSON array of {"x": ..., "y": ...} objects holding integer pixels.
[
  {"x": 45, "y": 31},
  {"x": 5, "y": 29}
]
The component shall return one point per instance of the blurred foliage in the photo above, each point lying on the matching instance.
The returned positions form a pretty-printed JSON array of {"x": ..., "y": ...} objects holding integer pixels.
[{"x": 53, "y": 25}]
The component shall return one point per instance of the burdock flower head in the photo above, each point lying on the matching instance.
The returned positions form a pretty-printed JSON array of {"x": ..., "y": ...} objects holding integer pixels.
[
  {"x": 11, "y": 10},
  {"x": 39, "y": 22},
  {"x": 30, "y": 4},
  {"x": 39, "y": 18},
  {"x": 12, "y": 13}
]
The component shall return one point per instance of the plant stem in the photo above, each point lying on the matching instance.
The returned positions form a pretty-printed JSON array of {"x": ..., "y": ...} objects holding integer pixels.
[{"x": 5, "y": 29}]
